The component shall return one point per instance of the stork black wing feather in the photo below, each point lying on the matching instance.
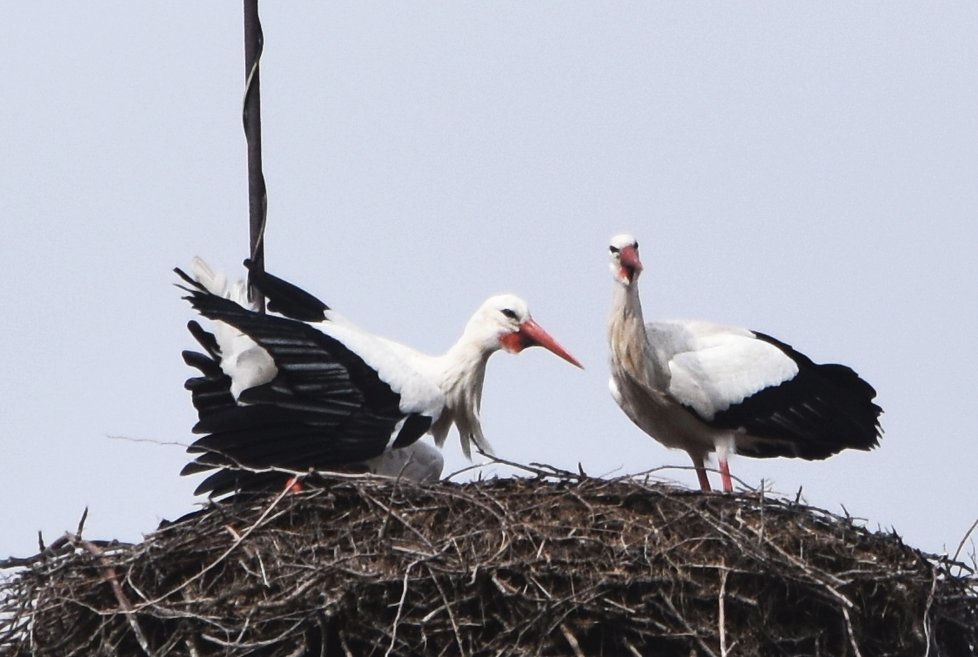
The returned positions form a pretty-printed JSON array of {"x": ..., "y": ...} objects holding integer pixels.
[
  {"x": 286, "y": 298},
  {"x": 325, "y": 407},
  {"x": 231, "y": 480},
  {"x": 211, "y": 392},
  {"x": 821, "y": 411},
  {"x": 205, "y": 340}
]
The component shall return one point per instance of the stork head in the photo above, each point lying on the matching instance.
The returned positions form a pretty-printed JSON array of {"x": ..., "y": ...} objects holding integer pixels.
[
  {"x": 625, "y": 263},
  {"x": 504, "y": 322}
]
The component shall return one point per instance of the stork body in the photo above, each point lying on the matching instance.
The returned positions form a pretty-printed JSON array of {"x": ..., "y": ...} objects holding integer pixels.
[
  {"x": 704, "y": 387},
  {"x": 306, "y": 390}
]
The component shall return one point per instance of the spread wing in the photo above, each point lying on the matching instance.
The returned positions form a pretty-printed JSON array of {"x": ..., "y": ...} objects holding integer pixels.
[{"x": 328, "y": 404}]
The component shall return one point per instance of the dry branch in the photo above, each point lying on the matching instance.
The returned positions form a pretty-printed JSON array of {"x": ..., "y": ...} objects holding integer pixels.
[{"x": 556, "y": 565}]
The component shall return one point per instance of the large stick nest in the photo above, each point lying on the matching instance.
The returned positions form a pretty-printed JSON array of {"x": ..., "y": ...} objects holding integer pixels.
[{"x": 547, "y": 566}]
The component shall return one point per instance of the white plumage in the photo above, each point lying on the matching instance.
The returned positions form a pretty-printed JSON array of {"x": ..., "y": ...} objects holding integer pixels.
[
  {"x": 305, "y": 389},
  {"x": 705, "y": 387},
  {"x": 718, "y": 366},
  {"x": 420, "y": 461}
]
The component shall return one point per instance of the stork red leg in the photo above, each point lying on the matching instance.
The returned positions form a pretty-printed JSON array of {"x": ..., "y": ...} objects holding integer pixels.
[
  {"x": 725, "y": 474},
  {"x": 701, "y": 473},
  {"x": 705, "y": 387}
]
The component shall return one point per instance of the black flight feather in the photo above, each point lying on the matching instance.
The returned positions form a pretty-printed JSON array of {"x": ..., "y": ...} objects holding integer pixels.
[
  {"x": 286, "y": 298},
  {"x": 822, "y": 410},
  {"x": 325, "y": 409}
]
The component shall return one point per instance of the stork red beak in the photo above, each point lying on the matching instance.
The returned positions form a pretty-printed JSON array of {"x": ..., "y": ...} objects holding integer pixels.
[
  {"x": 630, "y": 262},
  {"x": 531, "y": 334}
]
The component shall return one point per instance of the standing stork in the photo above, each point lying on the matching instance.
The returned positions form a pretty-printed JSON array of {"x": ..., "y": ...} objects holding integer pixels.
[
  {"x": 703, "y": 387},
  {"x": 306, "y": 390}
]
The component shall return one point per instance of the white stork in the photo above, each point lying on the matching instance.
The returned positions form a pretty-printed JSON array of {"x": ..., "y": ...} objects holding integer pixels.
[
  {"x": 703, "y": 387},
  {"x": 305, "y": 390}
]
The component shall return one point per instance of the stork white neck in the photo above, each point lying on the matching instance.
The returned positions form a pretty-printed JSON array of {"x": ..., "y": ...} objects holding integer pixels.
[
  {"x": 463, "y": 372},
  {"x": 502, "y": 322},
  {"x": 627, "y": 335},
  {"x": 634, "y": 354}
]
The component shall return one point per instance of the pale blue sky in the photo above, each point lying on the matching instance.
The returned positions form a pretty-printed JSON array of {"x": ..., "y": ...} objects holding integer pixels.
[{"x": 804, "y": 169}]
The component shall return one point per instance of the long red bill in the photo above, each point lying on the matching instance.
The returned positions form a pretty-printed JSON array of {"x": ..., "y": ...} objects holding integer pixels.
[{"x": 532, "y": 334}]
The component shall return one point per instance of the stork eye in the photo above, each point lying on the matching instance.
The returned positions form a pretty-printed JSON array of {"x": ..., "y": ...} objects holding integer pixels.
[
  {"x": 614, "y": 249},
  {"x": 509, "y": 313},
  {"x": 635, "y": 244}
]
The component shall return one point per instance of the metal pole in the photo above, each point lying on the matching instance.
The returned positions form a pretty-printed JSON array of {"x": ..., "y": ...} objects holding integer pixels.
[{"x": 251, "y": 117}]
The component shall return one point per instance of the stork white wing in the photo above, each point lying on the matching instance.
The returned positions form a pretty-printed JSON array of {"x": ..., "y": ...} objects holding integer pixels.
[
  {"x": 718, "y": 367},
  {"x": 706, "y": 387},
  {"x": 419, "y": 393}
]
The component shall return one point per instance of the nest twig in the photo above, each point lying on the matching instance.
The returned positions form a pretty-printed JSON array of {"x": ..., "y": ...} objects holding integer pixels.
[{"x": 556, "y": 565}]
